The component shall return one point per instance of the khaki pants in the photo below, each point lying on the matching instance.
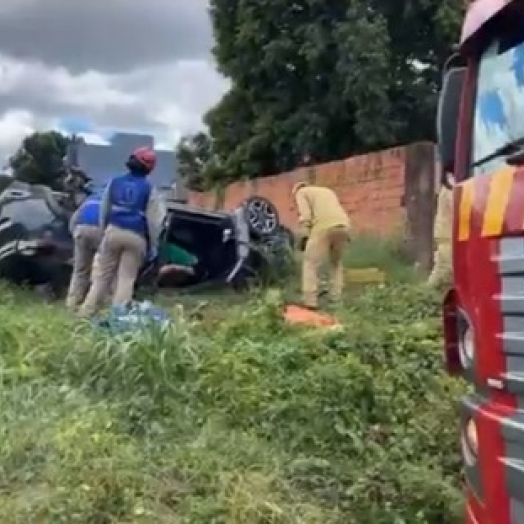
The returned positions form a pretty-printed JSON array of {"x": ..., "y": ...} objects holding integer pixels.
[
  {"x": 87, "y": 239},
  {"x": 325, "y": 245},
  {"x": 122, "y": 254},
  {"x": 442, "y": 273},
  {"x": 96, "y": 267}
]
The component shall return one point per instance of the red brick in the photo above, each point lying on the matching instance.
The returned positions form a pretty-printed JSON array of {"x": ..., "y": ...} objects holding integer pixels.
[{"x": 369, "y": 186}]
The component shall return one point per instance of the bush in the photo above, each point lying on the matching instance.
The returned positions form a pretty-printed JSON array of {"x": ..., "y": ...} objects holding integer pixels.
[
  {"x": 244, "y": 420},
  {"x": 388, "y": 254}
]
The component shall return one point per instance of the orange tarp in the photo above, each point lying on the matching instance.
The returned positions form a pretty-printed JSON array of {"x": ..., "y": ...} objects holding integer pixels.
[{"x": 301, "y": 315}]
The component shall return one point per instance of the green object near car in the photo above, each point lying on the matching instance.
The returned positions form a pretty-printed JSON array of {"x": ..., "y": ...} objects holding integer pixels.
[{"x": 169, "y": 253}]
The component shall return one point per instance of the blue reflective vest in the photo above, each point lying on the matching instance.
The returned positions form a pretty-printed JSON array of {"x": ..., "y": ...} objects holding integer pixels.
[
  {"x": 129, "y": 196},
  {"x": 89, "y": 212}
]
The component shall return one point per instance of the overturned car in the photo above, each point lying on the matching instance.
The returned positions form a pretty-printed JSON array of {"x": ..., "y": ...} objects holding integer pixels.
[{"x": 36, "y": 247}]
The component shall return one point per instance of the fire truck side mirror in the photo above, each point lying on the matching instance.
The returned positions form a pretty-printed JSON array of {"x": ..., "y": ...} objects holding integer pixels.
[{"x": 448, "y": 116}]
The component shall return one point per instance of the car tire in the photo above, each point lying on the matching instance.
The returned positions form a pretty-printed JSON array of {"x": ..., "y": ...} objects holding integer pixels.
[{"x": 261, "y": 215}]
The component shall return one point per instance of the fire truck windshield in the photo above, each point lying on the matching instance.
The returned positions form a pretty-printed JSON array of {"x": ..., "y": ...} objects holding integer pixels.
[{"x": 499, "y": 105}]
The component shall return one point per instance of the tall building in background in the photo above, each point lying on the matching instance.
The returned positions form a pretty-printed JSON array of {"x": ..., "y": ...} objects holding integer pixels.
[{"x": 101, "y": 162}]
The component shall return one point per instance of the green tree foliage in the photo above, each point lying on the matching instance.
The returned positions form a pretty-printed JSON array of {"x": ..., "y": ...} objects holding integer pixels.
[
  {"x": 193, "y": 152},
  {"x": 324, "y": 77},
  {"x": 38, "y": 160},
  {"x": 198, "y": 165}
]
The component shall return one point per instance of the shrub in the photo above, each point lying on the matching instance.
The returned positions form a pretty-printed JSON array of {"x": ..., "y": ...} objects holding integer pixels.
[
  {"x": 247, "y": 421},
  {"x": 388, "y": 254}
]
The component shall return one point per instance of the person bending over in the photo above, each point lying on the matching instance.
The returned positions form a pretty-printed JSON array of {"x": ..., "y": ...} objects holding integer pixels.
[{"x": 131, "y": 217}]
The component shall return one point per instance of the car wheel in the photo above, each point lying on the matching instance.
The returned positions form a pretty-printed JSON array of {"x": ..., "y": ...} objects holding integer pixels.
[{"x": 262, "y": 216}]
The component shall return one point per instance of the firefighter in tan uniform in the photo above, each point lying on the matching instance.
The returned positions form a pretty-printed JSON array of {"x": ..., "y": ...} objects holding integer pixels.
[
  {"x": 442, "y": 272},
  {"x": 131, "y": 218},
  {"x": 325, "y": 232}
]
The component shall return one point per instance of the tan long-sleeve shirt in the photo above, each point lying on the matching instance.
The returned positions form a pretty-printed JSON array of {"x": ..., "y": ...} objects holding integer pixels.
[{"x": 319, "y": 209}]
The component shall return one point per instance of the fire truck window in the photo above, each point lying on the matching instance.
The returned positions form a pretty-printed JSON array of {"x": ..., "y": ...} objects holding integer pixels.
[{"x": 499, "y": 104}]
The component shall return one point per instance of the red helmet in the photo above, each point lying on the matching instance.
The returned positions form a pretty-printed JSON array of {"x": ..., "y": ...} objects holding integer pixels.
[{"x": 145, "y": 158}]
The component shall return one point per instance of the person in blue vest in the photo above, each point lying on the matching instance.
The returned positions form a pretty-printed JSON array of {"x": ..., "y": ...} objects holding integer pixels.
[
  {"x": 87, "y": 235},
  {"x": 131, "y": 218}
]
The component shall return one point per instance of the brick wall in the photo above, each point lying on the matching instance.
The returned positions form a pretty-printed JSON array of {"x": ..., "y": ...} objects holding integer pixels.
[{"x": 371, "y": 187}]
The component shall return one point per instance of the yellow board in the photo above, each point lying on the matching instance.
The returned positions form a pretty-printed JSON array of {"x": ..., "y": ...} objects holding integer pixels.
[{"x": 369, "y": 275}]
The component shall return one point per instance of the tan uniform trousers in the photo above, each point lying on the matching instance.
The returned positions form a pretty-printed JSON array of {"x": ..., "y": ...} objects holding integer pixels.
[
  {"x": 109, "y": 292},
  {"x": 442, "y": 273},
  {"x": 121, "y": 254},
  {"x": 322, "y": 246},
  {"x": 86, "y": 239}
]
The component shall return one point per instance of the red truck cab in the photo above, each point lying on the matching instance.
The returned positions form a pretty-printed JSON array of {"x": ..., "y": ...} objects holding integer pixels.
[{"x": 481, "y": 142}]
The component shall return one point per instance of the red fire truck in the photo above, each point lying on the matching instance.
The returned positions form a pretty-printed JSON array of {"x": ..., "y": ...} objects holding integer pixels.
[{"x": 481, "y": 142}]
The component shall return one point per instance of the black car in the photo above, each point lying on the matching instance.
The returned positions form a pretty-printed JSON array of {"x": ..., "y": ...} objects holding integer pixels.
[
  {"x": 232, "y": 248},
  {"x": 36, "y": 246}
]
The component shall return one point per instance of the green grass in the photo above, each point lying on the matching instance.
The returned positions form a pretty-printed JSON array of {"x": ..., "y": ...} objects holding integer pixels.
[
  {"x": 231, "y": 417},
  {"x": 389, "y": 255}
]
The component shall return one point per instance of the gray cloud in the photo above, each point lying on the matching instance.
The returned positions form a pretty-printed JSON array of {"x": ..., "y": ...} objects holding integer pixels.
[
  {"x": 123, "y": 65},
  {"x": 185, "y": 89},
  {"x": 167, "y": 108},
  {"x": 106, "y": 35}
]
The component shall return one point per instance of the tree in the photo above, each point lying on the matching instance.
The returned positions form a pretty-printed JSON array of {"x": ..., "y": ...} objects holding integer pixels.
[
  {"x": 327, "y": 77},
  {"x": 39, "y": 159},
  {"x": 198, "y": 166},
  {"x": 422, "y": 34}
]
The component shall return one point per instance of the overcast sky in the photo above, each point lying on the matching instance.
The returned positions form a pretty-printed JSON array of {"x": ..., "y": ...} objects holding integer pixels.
[{"x": 103, "y": 65}]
